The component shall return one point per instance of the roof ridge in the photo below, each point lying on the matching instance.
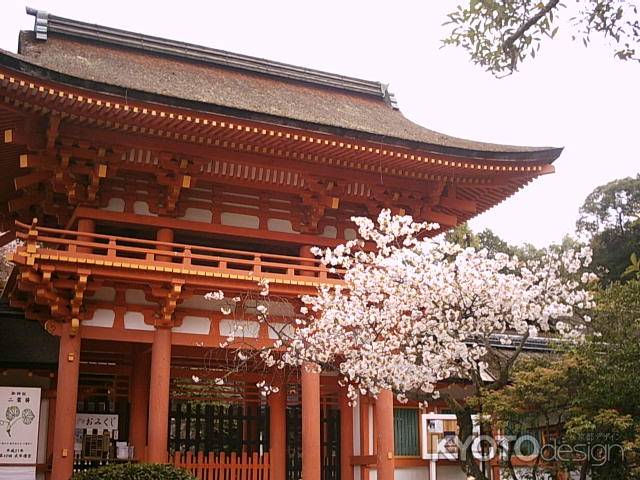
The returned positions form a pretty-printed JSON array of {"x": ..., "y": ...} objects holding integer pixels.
[{"x": 45, "y": 23}]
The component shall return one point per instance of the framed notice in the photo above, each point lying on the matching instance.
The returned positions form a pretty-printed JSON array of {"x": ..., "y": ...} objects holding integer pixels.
[
  {"x": 94, "y": 423},
  {"x": 19, "y": 419}
]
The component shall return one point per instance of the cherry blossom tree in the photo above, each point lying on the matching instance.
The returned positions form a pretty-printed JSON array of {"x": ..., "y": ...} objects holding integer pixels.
[{"x": 415, "y": 314}]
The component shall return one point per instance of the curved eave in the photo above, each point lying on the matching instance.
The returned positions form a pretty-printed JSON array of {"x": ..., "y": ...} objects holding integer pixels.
[{"x": 545, "y": 155}]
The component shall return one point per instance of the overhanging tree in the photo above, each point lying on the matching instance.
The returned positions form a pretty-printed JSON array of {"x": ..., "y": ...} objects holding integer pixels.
[{"x": 500, "y": 34}]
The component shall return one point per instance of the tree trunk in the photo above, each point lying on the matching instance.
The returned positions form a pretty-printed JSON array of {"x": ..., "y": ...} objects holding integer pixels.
[
  {"x": 465, "y": 425},
  {"x": 584, "y": 470}
]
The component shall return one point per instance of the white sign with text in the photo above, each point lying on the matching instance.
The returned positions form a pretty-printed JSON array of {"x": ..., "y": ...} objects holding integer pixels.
[{"x": 19, "y": 419}]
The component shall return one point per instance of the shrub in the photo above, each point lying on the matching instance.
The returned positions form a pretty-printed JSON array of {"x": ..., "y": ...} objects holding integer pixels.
[{"x": 135, "y": 471}]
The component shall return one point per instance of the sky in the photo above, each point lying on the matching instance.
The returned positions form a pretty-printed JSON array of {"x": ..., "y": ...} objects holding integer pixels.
[{"x": 568, "y": 96}]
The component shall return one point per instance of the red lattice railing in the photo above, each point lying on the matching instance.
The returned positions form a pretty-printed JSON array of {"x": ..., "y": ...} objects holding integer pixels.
[{"x": 224, "y": 466}]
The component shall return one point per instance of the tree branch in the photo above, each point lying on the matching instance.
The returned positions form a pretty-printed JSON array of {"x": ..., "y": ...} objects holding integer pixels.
[{"x": 507, "y": 45}]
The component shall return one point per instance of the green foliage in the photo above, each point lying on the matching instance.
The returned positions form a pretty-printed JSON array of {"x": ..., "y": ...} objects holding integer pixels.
[
  {"x": 592, "y": 391},
  {"x": 500, "y": 34},
  {"x": 610, "y": 217},
  {"x": 633, "y": 270},
  {"x": 614, "y": 206},
  {"x": 465, "y": 237},
  {"x": 135, "y": 471},
  {"x": 462, "y": 235},
  {"x": 493, "y": 243}
]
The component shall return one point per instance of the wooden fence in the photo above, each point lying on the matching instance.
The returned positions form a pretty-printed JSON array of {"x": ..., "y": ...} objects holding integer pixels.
[{"x": 224, "y": 467}]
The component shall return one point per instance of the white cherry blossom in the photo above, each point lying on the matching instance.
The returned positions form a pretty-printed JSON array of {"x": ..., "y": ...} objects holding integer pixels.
[{"x": 414, "y": 311}]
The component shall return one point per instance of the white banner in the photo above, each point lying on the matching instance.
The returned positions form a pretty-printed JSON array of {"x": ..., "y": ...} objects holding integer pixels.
[
  {"x": 17, "y": 473},
  {"x": 19, "y": 419}
]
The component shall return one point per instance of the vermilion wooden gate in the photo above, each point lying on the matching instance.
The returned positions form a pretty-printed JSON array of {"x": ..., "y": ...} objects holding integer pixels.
[
  {"x": 206, "y": 436},
  {"x": 202, "y": 427},
  {"x": 330, "y": 443}
]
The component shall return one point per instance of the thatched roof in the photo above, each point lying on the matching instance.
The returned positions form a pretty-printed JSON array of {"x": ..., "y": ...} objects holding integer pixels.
[{"x": 167, "y": 71}]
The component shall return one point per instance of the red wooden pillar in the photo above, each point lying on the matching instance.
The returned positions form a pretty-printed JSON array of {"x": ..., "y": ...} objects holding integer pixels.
[
  {"x": 311, "y": 451},
  {"x": 86, "y": 225},
  {"x": 66, "y": 403},
  {"x": 278, "y": 434},
  {"x": 346, "y": 436},
  {"x": 159, "y": 379},
  {"x": 164, "y": 235},
  {"x": 139, "y": 414},
  {"x": 305, "y": 252},
  {"x": 383, "y": 419},
  {"x": 158, "y": 432}
]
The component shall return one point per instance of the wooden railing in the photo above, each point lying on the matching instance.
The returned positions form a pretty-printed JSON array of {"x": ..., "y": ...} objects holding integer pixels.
[
  {"x": 118, "y": 251},
  {"x": 223, "y": 466}
]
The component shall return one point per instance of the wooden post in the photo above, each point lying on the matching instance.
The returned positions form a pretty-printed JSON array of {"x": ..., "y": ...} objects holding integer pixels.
[
  {"x": 139, "y": 414},
  {"x": 158, "y": 432},
  {"x": 86, "y": 225},
  {"x": 278, "y": 433},
  {"x": 383, "y": 418},
  {"x": 164, "y": 235},
  {"x": 346, "y": 435},
  {"x": 159, "y": 379},
  {"x": 311, "y": 451},
  {"x": 66, "y": 403},
  {"x": 305, "y": 252}
]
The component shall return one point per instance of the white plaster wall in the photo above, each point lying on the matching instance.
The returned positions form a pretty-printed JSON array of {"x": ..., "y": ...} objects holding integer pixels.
[
  {"x": 356, "y": 429},
  {"x": 239, "y": 220},
  {"x": 280, "y": 225},
  {"x": 115, "y": 205},
  {"x": 135, "y": 321},
  {"x": 350, "y": 234},
  {"x": 239, "y": 328},
  {"x": 142, "y": 208},
  {"x": 414, "y": 473},
  {"x": 198, "y": 215},
  {"x": 200, "y": 303},
  {"x": 102, "y": 317},
  {"x": 193, "y": 324},
  {"x": 104, "y": 294},
  {"x": 277, "y": 330},
  {"x": 134, "y": 296},
  {"x": 330, "y": 232}
]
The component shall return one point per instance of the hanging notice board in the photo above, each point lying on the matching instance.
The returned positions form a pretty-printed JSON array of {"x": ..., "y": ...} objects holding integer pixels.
[{"x": 19, "y": 420}]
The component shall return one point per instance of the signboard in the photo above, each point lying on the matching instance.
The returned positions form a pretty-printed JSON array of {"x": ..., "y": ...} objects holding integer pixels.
[
  {"x": 439, "y": 436},
  {"x": 94, "y": 423},
  {"x": 19, "y": 419}
]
